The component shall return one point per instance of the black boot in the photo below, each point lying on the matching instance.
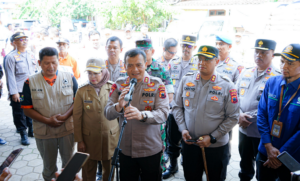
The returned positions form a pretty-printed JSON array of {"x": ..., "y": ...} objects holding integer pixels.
[
  {"x": 173, "y": 168},
  {"x": 30, "y": 132},
  {"x": 24, "y": 138}
]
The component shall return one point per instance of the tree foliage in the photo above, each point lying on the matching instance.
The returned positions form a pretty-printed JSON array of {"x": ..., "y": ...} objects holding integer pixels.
[{"x": 136, "y": 12}]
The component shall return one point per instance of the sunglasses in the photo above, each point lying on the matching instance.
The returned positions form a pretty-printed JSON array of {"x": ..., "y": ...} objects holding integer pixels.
[
  {"x": 23, "y": 39},
  {"x": 186, "y": 45},
  {"x": 173, "y": 53}
]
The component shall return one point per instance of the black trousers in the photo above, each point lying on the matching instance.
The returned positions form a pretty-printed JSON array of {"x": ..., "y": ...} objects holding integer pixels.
[
  {"x": 248, "y": 149},
  {"x": 269, "y": 174},
  {"x": 173, "y": 138},
  {"x": 193, "y": 165},
  {"x": 146, "y": 168},
  {"x": 20, "y": 120}
]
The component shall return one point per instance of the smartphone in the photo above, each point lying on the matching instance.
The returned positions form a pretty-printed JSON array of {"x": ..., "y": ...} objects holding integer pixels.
[
  {"x": 191, "y": 141},
  {"x": 73, "y": 167},
  {"x": 289, "y": 161},
  {"x": 10, "y": 159}
]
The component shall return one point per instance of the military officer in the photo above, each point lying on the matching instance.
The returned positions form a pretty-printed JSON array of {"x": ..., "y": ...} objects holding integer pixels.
[
  {"x": 251, "y": 84},
  {"x": 114, "y": 64},
  {"x": 206, "y": 105},
  {"x": 227, "y": 65},
  {"x": 178, "y": 68},
  {"x": 141, "y": 143},
  {"x": 169, "y": 52},
  {"x": 278, "y": 118}
]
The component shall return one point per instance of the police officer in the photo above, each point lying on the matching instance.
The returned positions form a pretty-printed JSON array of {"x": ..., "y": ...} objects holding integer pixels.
[
  {"x": 154, "y": 68},
  {"x": 169, "y": 52},
  {"x": 278, "y": 118},
  {"x": 206, "y": 105},
  {"x": 251, "y": 84},
  {"x": 114, "y": 64},
  {"x": 178, "y": 68},
  {"x": 141, "y": 143},
  {"x": 19, "y": 65},
  {"x": 227, "y": 65}
]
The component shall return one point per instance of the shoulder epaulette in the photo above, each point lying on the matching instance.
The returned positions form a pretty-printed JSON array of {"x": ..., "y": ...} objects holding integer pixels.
[
  {"x": 225, "y": 78},
  {"x": 83, "y": 85}
]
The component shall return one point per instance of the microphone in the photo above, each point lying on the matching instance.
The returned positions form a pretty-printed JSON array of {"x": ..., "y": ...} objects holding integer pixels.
[{"x": 133, "y": 82}]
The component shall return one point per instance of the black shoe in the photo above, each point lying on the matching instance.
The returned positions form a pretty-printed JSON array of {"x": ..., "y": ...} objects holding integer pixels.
[
  {"x": 30, "y": 132},
  {"x": 24, "y": 138},
  {"x": 173, "y": 168},
  {"x": 166, "y": 157}
]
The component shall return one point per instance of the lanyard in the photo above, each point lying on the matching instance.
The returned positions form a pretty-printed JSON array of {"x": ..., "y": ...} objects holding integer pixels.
[{"x": 281, "y": 95}]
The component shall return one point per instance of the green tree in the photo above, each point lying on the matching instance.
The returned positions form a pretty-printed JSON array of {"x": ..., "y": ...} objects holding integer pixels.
[{"x": 119, "y": 12}]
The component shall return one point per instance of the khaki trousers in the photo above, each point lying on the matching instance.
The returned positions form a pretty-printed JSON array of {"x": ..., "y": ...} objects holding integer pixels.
[
  {"x": 90, "y": 168},
  {"x": 48, "y": 149}
]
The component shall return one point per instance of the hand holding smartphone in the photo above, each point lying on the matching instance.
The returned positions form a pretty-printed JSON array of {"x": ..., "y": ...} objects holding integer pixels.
[{"x": 10, "y": 159}]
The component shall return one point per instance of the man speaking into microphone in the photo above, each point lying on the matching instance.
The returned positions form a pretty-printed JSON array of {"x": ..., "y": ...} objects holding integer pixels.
[{"x": 141, "y": 143}]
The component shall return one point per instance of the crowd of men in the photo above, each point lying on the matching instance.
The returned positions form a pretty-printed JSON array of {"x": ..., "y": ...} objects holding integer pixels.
[{"x": 184, "y": 105}]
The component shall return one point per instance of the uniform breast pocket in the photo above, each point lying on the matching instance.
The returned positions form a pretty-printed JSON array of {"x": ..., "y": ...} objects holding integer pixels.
[
  {"x": 295, "y": 109},
  {"x": 147, "y": 103},
  {"x": 244, "y": 85},
  {"x": 214, "y": 104},
  {"x": 88, "y": 107},
  {"x": 21, "y": 67},
  {"x": 188, "y": 98},
  {"x": 67, "y": 96},
  {"x": 38, "y": 99}
]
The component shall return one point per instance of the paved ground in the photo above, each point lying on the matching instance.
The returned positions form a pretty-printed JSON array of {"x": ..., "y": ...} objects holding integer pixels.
[{"x": 28, "y": 166}]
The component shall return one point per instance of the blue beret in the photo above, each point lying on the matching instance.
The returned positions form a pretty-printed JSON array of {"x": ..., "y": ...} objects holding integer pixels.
[{"x": 224, "y": 38}]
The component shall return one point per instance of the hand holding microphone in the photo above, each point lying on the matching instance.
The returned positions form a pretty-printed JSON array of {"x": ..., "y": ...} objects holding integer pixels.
[{"x": 126, "y": 94}]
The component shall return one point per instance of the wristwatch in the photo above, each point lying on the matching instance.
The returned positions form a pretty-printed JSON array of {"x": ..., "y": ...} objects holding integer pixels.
[
  {"x": 212, "y": 139},
  {"x": 144, "y": 115}
]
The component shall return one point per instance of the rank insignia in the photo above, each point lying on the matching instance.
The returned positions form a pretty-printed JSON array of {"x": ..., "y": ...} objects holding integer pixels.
[
  {"x": 214, "y": 98},
  {"x": 113, "y": 88},
  {"x": 198, "y": 76},
  {"x": 227, "y": 68},
  {"x": 247, "y": 75},
  {"x": 148, "y": 108},
  {"x": 187, "y": 103},
  {"x": 148, "y": 102},
  {"x": 233, "y": 94},
  {"x": 88, "y": 107},
  {"x": 127, "y": 80},
  {"x": 190, "y": 84},
  {"x": 124, "y": 85},
  {"x": 267, "y": 78},
  {"x": 187, "y": 94},
  {"x": 269, "y": 70},
  {"x": 240, "y": 68},
  {"x": 149, "y": 90},
  {"x": 151, "y": 84},
  {"x": 217, "y": 88},
  {"x": 242, "y": 92},
  {"x": 213, "y": 78},
  {"x": 146, "y": 79},
  {"x": 227, "y": 60}
]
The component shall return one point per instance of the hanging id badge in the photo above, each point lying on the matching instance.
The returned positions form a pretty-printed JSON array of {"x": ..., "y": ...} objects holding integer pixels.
[{"x": 276, "y": 128}]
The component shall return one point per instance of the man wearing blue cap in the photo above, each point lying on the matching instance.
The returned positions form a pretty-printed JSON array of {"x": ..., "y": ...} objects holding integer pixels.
[
  {"x": 251, "y": 84},
  {"x": 278, "y": 118},
  {"x": 227, "y": 65}
]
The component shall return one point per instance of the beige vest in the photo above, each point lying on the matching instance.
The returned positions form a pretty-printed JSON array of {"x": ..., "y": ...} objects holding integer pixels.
[{"x": 51, "y": 100}]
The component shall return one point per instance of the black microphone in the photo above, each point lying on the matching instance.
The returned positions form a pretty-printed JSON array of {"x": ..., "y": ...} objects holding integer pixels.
[{"x": 133, "y": 82}]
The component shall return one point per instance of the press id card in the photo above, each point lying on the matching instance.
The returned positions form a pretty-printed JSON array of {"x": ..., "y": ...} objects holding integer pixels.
[{"x": 276, "y": 129}]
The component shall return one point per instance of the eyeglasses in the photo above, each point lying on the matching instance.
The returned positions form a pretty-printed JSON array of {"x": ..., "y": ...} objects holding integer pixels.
[
  {"x": 186, "y": 45},
  {"x": 23, "y": 39},
  {"x": 173, "y": 53}
]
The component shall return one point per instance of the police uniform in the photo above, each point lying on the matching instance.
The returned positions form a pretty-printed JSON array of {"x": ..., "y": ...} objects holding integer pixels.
[
  {"x": 251, "y": 85},
  {"x": 18, "y": 67},
  {"x": 177, "y": 70},
  {"x": 117, "y": 72},
  {"x": 269, "y": 123},
  {"x": 163, "y": 62},
  {"x": 141, "y": 141},
  {"x": 209, "y": 109},
  {"x": 229, "y": 67}
]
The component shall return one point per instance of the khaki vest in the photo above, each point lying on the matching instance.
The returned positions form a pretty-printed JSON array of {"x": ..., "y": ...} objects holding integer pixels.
[{"x": 51, "y": 100}]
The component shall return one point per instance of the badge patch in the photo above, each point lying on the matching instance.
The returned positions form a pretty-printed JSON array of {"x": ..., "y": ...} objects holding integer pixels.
[
  {"x": 242, "y": 92},
  {"x": 267, "y": 78},
  {"x": 149, "y": 90},
  {"x": 146, "y": 79},
  {"x": 198, "y": 76},
  {"x": 148, "y": 102},
  {"x": 151, "y": 84},
  {"x": 193, "y": 69},
  {"x": 124, "y": 85},
  {"x": 169, "y": 66},
  {"x": 240, "y": 68},
  {"x": 123, "y": 71},
  {"x": 88, "y": 107},
  {"x": 227, "y": 60},
  {"x": 122, "y": 88},
  {"x": 217, "y": 88},
  {"x": 214, "y": 98},
  {"x": 272, "y": 74},
  {"x": 113, "y": 88},
  {"x": 65, "y": 81},
  {"x": 127, "y": 80},
  {"x": 227, "y": 68},
  {"x": 190, "y": 84},
  {"x": 148, "y": 108},
  {"x": 269, "y": 70},
  {"x": 233, "y": 94},
  {"x": 230, "y": 65},
  {"x": 162, "y": 91},
  {"x": 213, "y": 78},
  {"x": 243, "y": 84},
  {"x": 247, "y": 75},
  {"x": 187, "y": 94},
  {"x": 187, "y": 103}
]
